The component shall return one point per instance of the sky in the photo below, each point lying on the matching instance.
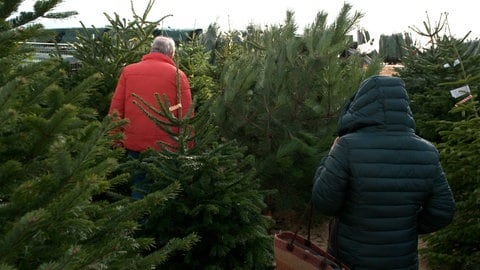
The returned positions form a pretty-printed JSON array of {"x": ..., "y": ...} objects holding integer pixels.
[{"x": 380, "y": 16}]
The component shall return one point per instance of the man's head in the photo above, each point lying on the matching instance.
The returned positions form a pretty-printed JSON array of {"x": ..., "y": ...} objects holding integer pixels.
[{"x": 163, "y": 45}]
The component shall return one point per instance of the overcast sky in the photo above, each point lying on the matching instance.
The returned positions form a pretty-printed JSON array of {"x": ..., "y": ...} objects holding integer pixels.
[{"x": 381, "y": 16}]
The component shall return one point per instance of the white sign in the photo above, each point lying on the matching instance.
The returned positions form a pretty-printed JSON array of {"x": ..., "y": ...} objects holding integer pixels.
[{"x": 458, "y": 92}]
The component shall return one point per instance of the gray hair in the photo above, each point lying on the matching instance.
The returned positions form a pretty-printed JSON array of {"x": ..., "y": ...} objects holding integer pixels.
[{"x": 163, "y": 45}]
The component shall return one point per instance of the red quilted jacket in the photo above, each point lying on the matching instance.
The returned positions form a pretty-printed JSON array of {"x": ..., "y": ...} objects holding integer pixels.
[{"x": 155, "y": 73}]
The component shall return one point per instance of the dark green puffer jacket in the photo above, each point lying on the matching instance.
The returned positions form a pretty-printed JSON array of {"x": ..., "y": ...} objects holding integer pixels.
[{"x": 382, "y": 182}]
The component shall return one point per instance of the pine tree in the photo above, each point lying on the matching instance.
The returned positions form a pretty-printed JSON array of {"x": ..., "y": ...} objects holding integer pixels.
[
  {"x": 56, "y": 163},
  {"x": 220, "y": 199},
  {"x": 281, "y": 95}
]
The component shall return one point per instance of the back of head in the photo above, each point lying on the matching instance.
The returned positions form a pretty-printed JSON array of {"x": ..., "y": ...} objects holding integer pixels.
[
  {"x": 381, "y": 102},
  {"x": 164, "y": 45}
]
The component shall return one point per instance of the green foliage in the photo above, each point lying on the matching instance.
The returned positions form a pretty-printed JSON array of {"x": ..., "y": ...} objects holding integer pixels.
[
  {"x": 454, "y": 126},
  {"x": 194, "y": 60},
  {"x": 281, "y": 95},
  {"x": 15, "y": 28},
  {"x": 107, "y": 51},
  {"x": 392, "y": 48},
  {"x": 457, "y": 246},
  {"x": 40, "y": 9},
  {"x": 220, "y": 200},
  {"x": 430, "y": 74},
  {"x": 60, "y": 160},
  {"x": 56, "y": 165}
]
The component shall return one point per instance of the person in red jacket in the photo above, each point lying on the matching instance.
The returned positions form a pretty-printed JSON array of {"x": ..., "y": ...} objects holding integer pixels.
[{"x": 155, "y": 73}]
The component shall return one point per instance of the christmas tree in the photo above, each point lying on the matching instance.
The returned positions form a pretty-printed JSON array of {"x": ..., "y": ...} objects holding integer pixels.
[
  {"x": 107, "y": 51},
  {"x": 281, "y": 94},
  {"x": 220, "y": 201},
  {"x": 443, "y": 81},
  {"x": 56, "y": 163}
]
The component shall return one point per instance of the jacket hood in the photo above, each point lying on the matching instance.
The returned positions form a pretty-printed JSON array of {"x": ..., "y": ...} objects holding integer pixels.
[{"x": 380, "y": 103}]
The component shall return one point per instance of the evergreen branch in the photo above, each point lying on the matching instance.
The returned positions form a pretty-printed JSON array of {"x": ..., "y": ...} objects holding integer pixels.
[
  {"x": 7, "y": 94},
  {"x": 126, "y": 211},
  {"x": 173, "y": 245},
  {"x": 40, "y": 9},
  {"x": 6, "y": 267},
  {"x": 171, "y": 122},
  {"x": 159, "y": 122},
  {"x": 9, "y": 7},
  {"x": 48, "y": 129},
  {"x": 12, "y": 242}
]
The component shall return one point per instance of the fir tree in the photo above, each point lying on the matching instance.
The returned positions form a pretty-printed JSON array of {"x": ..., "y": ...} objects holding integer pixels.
[
  {"x": 107, "y": 51},
  {"x": 41, "y": 9},
  {"x": 452, "y": 125},
  {"x": 55, "y": 162},
  {"x": 194, "y": 60},
  {"x": 456, "y": 247},
  {"x": 221, "y": 200},
  {"x": 431, "y": 73}
]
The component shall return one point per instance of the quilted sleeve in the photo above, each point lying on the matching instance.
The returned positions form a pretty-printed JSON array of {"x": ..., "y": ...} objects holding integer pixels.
[
  {"x": 331, "y": 181},
  {"x": 439, "y": 209}
]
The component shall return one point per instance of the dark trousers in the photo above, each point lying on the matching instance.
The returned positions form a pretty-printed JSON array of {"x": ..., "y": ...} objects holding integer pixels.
[{"x": 140, "y": 184}]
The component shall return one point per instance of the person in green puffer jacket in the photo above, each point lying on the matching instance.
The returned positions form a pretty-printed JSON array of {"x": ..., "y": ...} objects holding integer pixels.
[{"x": 383, "y": 184}]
